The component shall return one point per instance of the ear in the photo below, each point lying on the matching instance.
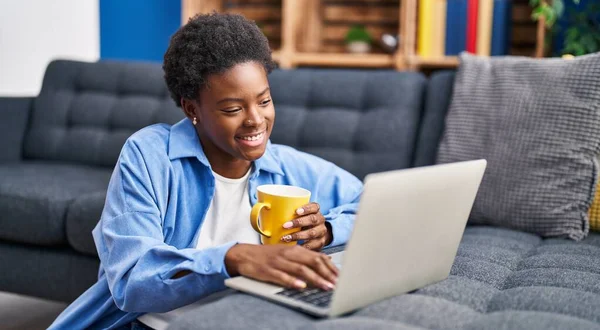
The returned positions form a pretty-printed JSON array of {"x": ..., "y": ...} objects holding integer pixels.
[{"x": 190, "y": 108}]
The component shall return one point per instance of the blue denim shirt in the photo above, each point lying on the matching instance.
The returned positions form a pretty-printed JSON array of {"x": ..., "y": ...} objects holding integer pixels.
[{"x": 157, "y": 198}]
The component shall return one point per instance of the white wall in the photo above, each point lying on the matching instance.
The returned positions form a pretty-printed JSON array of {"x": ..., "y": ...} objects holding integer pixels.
[{"x": 33, "y": 32}]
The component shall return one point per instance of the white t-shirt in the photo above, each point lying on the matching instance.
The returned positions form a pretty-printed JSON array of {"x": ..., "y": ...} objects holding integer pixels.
[{"x": 227, "y": 220}]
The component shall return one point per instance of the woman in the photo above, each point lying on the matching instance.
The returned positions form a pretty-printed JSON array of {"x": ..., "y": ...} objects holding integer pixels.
[{"x": 176, "y": 220}]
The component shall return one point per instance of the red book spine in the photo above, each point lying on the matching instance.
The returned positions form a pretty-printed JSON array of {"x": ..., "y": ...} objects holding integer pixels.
[{"x": 472, "y": 26}]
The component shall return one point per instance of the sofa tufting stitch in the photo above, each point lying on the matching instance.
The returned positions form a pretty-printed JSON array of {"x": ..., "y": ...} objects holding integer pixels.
[{"x": 88, "y": 111}]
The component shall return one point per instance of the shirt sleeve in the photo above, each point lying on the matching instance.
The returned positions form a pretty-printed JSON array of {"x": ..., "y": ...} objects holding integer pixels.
[
  {"x": 338, "y": 193},
  {"x": 138, "y": 264}
]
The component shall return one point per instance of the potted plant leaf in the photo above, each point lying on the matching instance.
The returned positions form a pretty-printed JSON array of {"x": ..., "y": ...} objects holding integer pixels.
[
  {"x": 583, "y": 34},
  {"x": 358, "y": 39}
]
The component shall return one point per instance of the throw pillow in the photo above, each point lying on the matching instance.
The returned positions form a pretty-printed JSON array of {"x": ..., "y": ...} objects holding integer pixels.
[{"x": 536, "y": 122}]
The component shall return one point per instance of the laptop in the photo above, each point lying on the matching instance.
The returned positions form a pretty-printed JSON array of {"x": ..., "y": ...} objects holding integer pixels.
[{"x": 406, "y": 235}]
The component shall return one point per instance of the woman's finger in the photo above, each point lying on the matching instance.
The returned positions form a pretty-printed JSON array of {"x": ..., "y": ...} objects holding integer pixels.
[
  {"x": 308, "y": 209},
  {"x": 309, "y": 220},
  {"x": 313, "y": 260},
  {"x": 304, "y": 272},
  {"x": 310, "y": 233},
  {"x": 284, "y": 279},
  {"x": 308, "y": 214},
  {"x": 324, "y": 269},
  {"x": 315, "y": 244}
]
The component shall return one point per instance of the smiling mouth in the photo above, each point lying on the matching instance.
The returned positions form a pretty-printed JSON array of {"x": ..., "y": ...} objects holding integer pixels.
[
  {"x": 256, "y": 137},
  {"x": 252, "y": 141}
]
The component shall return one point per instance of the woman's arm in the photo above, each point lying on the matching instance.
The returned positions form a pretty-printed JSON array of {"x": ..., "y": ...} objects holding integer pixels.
[{"x": 141, "y": 269}]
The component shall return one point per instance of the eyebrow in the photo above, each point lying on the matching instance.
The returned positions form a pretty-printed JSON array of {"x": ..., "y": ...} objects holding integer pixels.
[{"x": 233, "y": 99}]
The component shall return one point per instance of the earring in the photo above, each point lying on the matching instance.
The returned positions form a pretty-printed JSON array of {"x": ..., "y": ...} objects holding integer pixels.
[{"x": 194, "y": 121}]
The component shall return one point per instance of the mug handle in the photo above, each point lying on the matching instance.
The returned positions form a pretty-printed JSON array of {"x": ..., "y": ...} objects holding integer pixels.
[{"x": 254, "y": 218}]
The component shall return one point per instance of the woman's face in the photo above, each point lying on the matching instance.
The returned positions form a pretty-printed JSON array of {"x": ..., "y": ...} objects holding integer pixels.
[{"x": 235, "y": 114}]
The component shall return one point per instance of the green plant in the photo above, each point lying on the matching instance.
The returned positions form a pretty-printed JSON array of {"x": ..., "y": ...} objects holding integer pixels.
[
  {"x": 358, "y": 33},
  {"x": 583, "y": 34},
  {"x": 551, "y": 12}
]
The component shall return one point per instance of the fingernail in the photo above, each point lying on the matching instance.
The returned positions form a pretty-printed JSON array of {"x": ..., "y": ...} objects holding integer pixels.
[
  {"x": 288, "y": 225},
  {"x": 299, "y": 284},
  {"x": 328, "y": 286},
  {"x": 286, "y": 238},
  {"x": 300, "y": 211}
]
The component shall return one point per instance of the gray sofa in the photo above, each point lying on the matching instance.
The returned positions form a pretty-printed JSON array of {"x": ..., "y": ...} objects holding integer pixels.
[{"x": 58, "y": 150}]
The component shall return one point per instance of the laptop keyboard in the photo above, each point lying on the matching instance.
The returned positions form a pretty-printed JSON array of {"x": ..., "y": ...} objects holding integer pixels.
[{"x": 313, "y": 296}]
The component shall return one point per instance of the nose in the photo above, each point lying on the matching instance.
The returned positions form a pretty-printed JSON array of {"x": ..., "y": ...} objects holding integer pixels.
[{"x": 254, "y": 118}]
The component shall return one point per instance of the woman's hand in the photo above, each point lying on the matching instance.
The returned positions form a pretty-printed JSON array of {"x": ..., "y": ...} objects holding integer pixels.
[
  {"x": 314, "y": 233},
  {"x": 288, "y": 266}
]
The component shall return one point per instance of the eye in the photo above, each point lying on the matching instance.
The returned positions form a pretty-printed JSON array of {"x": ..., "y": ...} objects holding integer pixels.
[
  {"x": 232, "y": 111},
  {"x": 265, "y": 102}
]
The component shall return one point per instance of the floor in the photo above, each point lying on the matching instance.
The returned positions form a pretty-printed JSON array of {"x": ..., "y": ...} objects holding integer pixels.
[{"x": 27, "y": 313}]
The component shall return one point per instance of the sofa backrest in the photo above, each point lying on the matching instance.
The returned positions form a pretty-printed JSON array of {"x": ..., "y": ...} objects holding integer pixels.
[
  {"x": 437, "y": 101},
  {"x": 86, "y": 111},
  {"x": 363, "y": 121}
]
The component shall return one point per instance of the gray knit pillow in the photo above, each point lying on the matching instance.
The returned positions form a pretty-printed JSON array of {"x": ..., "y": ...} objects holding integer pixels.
[{"x": 537, "y": 123}]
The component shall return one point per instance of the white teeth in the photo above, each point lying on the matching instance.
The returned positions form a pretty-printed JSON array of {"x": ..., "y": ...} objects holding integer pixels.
[{"x": 253, "y": 138}]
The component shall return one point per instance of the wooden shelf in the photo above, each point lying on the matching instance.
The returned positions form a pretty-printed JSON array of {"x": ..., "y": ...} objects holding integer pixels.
[
  {"x": 345, "y": 60},
  {"x": 437, "y": 62},
  {"x": 303, "y": 32},
  {"x": 339, "y": 59}
]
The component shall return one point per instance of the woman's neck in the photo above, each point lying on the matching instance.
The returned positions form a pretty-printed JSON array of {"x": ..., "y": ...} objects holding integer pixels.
[
  {"x": 231, "y": 170},
  {"x": 224, "y": 164}
]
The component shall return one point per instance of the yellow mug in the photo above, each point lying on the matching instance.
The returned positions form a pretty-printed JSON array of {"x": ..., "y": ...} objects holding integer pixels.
[{"x": 277, "y": 204}]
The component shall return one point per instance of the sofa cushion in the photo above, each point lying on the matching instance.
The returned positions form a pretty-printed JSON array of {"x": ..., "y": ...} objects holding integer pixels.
[
  {"x": 86, "y": 111},
  {"x": 82, "y": 216},
  {"x": 35, "y": 196},
  {"x": 536, "y": 122},
  {"x": 55, "y": 273},
  {"x": 501, "y": 279},
  {"x": 363, "y": 121}
]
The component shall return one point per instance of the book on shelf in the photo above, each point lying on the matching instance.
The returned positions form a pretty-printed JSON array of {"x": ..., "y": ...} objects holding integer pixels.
[
  {"x": 472, "y": 12},
  {"x": 485, "y": 15},
  {"x": 425, "y": 28},
  {"x": 501, "y": 27},
  {"x": 449, "y": 27},
  {"x": 439, "y": 28},
  {"x": 456, "y": 27}
]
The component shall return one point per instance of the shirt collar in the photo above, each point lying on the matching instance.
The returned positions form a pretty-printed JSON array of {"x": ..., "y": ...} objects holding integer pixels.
[{"x": 184, "y": 142}]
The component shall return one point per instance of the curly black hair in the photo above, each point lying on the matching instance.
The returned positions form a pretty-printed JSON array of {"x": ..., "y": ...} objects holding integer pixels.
[{"x": 209, "y": 44}]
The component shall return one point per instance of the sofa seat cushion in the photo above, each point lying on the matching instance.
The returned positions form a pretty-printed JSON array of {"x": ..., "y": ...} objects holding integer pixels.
[
  {"x": 501, "y": 279},
  {"x": 35, "y": 197},
  {"x": 82, "y": 216}
]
